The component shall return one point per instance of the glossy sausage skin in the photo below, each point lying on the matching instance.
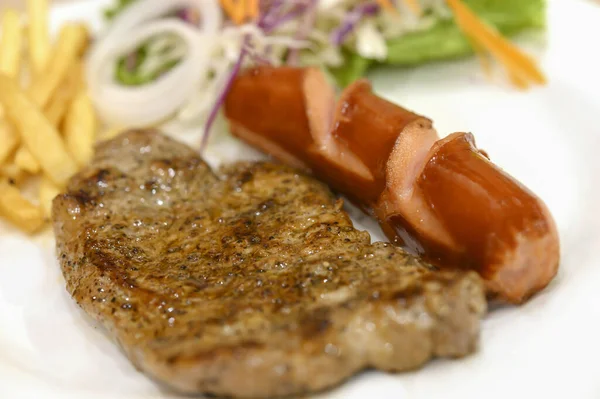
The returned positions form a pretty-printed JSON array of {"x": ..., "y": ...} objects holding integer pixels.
[{"x": 441, "y": 199}]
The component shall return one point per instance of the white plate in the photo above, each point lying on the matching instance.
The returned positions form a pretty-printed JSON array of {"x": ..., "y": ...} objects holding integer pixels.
[{"x": 548, "y": 138}]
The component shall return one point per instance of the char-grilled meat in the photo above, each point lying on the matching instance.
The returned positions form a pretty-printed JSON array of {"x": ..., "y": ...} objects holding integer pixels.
[{"x": 250, "y": 281}]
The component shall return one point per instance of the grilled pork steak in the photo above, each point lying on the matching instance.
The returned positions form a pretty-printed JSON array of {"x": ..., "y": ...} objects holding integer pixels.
[{"x": 250, "y": 281}]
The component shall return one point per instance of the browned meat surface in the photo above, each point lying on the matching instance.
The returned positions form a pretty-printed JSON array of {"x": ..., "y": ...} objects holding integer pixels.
[{"x": 250, "y": 281}]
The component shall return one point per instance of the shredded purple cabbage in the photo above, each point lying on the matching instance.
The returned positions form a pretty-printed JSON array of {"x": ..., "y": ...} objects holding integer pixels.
[
  {"x": 189, "y": 15},
  {"x": 261, "y": 58},
  {"x": 221, "y": 98},
  {"x": 273, "y": 14},
  {"x": 270, "y": 11},
  {"x": 339, "y": 35},
  {"x": 306, "y": 25},
  {"x": 277, "y": 16}
]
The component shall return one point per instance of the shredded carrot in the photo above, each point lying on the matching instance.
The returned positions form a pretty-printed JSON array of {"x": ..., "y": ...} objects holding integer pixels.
[
  {"x": 240, "y": 10},
  {"x": 414, "y": 6},
  {"x": 387, "y": 5},
  {"x": 252, "y": 9},
  {"x": 521, "y": 68},
  {"x": 229, "y": 7},
  {"x": 518, "y": 81}
]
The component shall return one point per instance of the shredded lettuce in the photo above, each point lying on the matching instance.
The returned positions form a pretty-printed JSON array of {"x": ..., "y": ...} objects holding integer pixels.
[
  {"x": 442, "y": 39},
  {"x": 445, "y": 40}
]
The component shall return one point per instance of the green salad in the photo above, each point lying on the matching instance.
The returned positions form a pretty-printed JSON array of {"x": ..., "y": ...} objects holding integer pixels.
[{"x": 198, "y": 46}]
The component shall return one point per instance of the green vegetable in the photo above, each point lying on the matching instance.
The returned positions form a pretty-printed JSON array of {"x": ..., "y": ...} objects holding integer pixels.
[
  {"x": 111, "y": 13},
  {"x": 354, "y": 67},
  {"x": 135, "y": 75},
  {"x": 445, "y": 40},
  {"x": 132, "y": 76}
]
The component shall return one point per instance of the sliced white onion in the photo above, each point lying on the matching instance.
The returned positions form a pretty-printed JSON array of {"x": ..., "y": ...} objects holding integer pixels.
[
  {"x": 158, "y": 56},
  {"x": 152, "y": 103},
  {"x": 187, "y": 91},
  {"x": 141, "y": 12},
  {"x": 158, "y": 100},
  {"x": 203, "y": 99}
]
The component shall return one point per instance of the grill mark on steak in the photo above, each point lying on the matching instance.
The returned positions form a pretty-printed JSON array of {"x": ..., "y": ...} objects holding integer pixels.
[{"x": 249, "y": 282}]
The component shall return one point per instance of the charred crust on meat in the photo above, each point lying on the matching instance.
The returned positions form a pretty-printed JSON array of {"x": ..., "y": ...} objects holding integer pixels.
[
  {"x": 409, "y": 292},
  {"x": 197, "y": 290},
  {"x": 84, "y": 198}
]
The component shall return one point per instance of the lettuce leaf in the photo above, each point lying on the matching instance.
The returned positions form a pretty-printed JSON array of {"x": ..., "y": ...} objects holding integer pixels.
[{"x": 445, "y": 40}]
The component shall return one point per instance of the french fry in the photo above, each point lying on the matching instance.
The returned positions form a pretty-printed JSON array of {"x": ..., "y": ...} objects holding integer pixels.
[
  {"x": 80, "y": 128},
  {"x": 26, "y": 161},
  {"x": 33, "y": 152},
  {"x": 9, "y": 140},
  {"x": 37, "y": 133},
  {"x": 11, "y": 43},
  {"x": 72, "y": 41},
  {"x": 47, "y": 192},
  {"x": 39, "y": 37},
  {"x": 18, "y": 210},
  {"x": 13, "y": 173},
  {"x": 57, "y": 109}
]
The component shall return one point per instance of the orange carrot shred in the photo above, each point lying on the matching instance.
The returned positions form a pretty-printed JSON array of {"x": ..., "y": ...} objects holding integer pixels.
[
  {"x": 234, "y": 9},
  {"x": 518, "y": 81},
  {"x": 252, "y": 10},
  {"x": 414, "y": 6},
  {"x": 387, "y": 5},
  {"x": 521, "y": 68}
]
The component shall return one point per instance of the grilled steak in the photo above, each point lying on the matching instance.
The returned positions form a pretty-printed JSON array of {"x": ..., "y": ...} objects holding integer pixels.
[{"x": 250, "y": 281}]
